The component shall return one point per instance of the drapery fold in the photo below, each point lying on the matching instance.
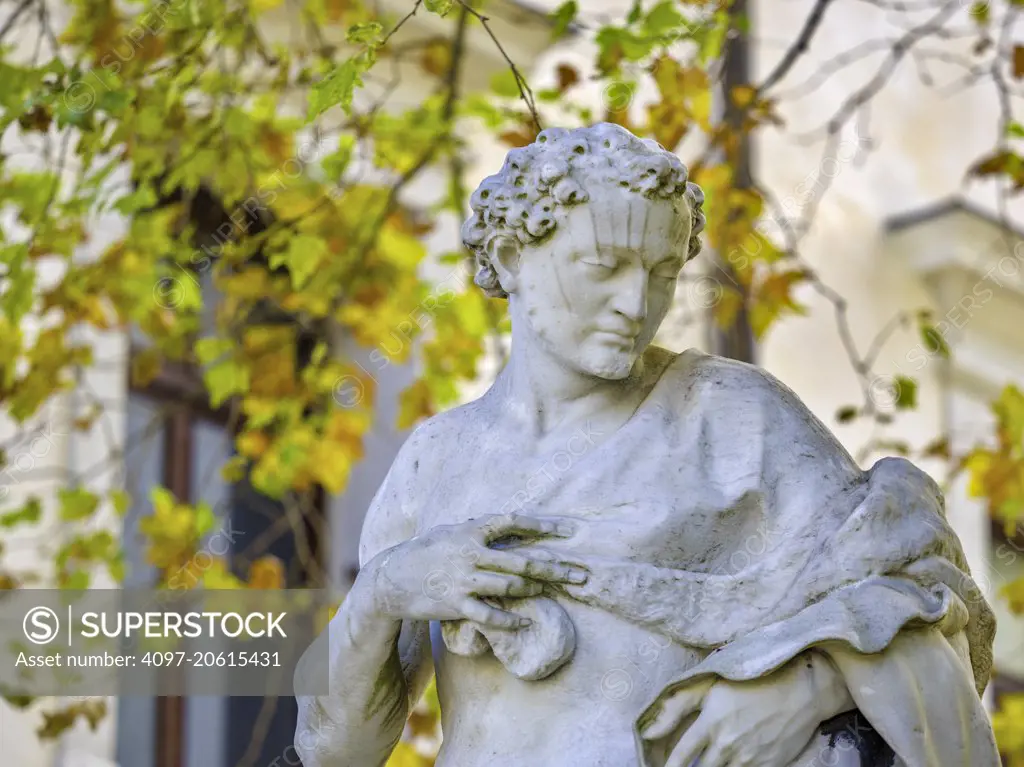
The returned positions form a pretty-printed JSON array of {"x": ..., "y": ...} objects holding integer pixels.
[{"x": 780, "y": 543}]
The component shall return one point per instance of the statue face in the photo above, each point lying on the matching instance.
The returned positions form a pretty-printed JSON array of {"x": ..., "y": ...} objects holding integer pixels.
[{"x": 597, "y": 291}]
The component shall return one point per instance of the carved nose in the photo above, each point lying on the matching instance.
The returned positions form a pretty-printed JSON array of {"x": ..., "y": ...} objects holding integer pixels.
[{"x": 631, "y": 301}]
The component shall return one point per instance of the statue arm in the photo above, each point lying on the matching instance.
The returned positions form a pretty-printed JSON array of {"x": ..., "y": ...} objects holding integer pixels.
[
  {"x": 918, "y": 695},
  {"x": 378, "y": 667}
]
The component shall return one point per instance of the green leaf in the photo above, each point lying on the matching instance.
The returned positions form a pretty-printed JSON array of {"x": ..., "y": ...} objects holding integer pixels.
[
  {"x": 30, "y": 513},
  {"x": 906, "y": 392},
  {"x": 116, "y": 567},
  {"x": 77, "y": 581},
  {"x": 402, "y": 250},
  {"x": 933, "y": 341},
  {"x": 504, "y": 84},
  {"x": 637, "y": 47},
  {"x": 302, "y": 257},
  {"x": 209, "y": 349},
  {"x": 366, "y": 32},
  {"x": 1009, "y": 410},
  {"x": 1015, "y": 130},
  {"x": 20, "y": 281},
  {"x": 205, "y": 519},
  {"x": 334, "y": 164},
  {"x": 846, "y": 414},
  {"x": 562, "y": 17},
  {"x": 122, "y": 502},
  {"x": 225, "y": 380},
  {"x": 663, "y": 19},
  {"x": 141, "y": 199},
  {"x": 609, "y": 49},
  {"x": 339, "y": 86},
  {"x": 76, "y": 504},
  {"x": 114, "y": 102},
  {"x": 440, "y": 7},
  {"x": 711, "y": 38}
]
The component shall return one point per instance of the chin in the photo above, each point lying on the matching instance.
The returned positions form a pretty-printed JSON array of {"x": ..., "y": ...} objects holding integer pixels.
[{"x": 610, "y": 367}]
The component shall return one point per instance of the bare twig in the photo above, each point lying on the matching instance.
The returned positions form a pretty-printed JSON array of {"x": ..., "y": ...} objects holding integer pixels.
[
  {"x": 900, "y": 49},
  {"x": 402, "y": 22},
  {"x": 799, "y": 46},
  {"x": 830, "y": 67},
  {"x": 524, "y": 89},
  {"x": 13, "y": 18}
]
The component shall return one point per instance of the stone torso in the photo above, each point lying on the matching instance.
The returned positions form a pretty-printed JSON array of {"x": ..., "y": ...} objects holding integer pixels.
[{"x": 631, "y": 510}]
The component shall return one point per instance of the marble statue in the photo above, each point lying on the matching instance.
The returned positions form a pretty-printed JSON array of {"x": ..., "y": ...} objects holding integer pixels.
[{"x": 621, "y": 556}]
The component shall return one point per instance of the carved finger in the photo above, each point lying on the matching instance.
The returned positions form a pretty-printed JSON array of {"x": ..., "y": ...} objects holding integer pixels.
[
  {"x": 495, "y": 585},
  {"x": 689, "y": 747},
  {"x": 681, "y": 705},
  {"x": 530, "y": 567},
  {"x": 716, "y": 755},
  {"x": 739, "y": 760},
  {"x": 484, "y": 614}
]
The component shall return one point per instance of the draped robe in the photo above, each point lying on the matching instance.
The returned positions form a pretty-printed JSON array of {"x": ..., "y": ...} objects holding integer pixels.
[{"x": 727, "y": 518}]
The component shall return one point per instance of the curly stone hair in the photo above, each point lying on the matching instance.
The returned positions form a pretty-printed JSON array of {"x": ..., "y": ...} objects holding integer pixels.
[{"x": 519, "y": 201}]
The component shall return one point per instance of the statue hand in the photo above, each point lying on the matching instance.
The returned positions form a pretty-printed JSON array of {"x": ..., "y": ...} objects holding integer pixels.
[
  {"x": 450, "y": 572},
  {"x": 765, "y": 722},
  {"x": 658, "y": 598}
]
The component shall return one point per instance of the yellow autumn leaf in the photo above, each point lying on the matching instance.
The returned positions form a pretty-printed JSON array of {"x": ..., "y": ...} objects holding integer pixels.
[
  {"x": 1009, "y": 411},
  {"x": 324, "y": 615},
  {"x": 218, "y": 576},
  {"x": 330, "y": 464},
  {"x": 742, "y": 95},
  {"x": 727, "y": 304},
  {"x": 266, "y": 573},
  {"x": 700, "y": 108},
  {"x": 348, "y": 424},
  {"x": 416, "y": 403},
  {"x": 145, "y": 366},
  {"x": 1009, "y": 733},
  {"x": 226, "y": 379},
  {"x": 405, "y": 755},
  {"x": 259, "y": 411},
  {"x": 249, "y": 283},
  {"x": 252, "y": 443},
  {"x": 233, "y": 469},
  {"x": 1014, "y": 594},
  {"x": 399, "y": 248},
  {"x": 171, "y": 530},
  {"x": 977, "y": 465}
]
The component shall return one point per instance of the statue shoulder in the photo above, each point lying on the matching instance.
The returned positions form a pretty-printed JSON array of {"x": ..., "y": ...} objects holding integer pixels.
[
  {"x": 395, "y": 512},
  {"x": 434, "y": 441},
  {"x": 723, "y": 381},
  {"x": 738, "y": 400}
]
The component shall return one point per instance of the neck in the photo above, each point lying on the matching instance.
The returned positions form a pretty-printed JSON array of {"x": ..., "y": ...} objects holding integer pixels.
[{"x": 543, "y": 392}]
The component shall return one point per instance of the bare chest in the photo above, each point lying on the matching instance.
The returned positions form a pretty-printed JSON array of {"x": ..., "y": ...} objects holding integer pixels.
[{"x": 640, "y": 496}]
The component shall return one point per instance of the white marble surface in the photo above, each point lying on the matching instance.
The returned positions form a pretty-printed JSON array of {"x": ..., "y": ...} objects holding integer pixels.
[{"x": 621, "y": 555}]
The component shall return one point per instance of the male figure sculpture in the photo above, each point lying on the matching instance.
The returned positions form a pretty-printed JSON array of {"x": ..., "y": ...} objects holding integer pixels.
[{"x": 621, "y": 556}]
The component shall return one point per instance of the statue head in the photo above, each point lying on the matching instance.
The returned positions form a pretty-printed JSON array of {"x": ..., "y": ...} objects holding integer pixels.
[{"x": 585, "y": 232}]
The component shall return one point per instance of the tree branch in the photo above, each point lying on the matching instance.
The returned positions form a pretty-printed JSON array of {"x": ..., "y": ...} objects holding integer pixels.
[
  {"x": 13, "y": 18},
  {"x": 799, "y": 46}
]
